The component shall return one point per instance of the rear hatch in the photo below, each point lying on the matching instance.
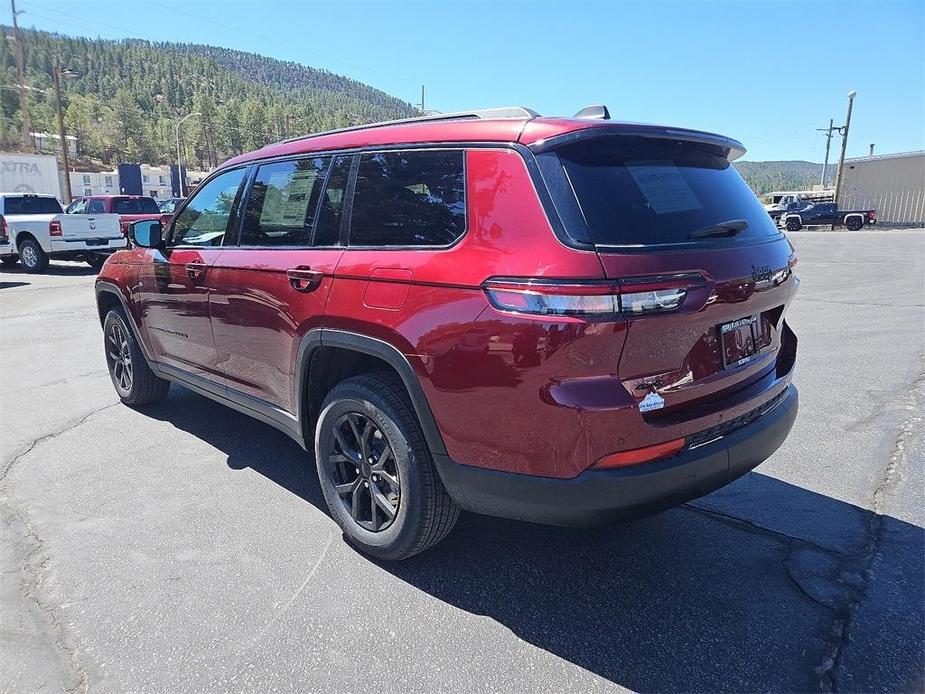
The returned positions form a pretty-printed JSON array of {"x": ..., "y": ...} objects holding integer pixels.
[{"x": 673, "y": 216}]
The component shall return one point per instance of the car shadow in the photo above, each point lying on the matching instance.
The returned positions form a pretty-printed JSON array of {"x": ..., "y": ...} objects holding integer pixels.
[
  {"x": 11, "y": 285},
  {"x": 68, "y": 270},
  {"x": 693, "y": 599}
]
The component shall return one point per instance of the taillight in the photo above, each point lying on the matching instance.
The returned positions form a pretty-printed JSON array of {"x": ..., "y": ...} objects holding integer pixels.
[
  {"x": 4, "y": 229},
  {"x": 873, "y": 215},
  {"x": 165, "y": 218},
  {"x": 124, "y": 227},
  {"x": 640, "y": 455},
  {"x": 634, "y": 296},
  {"x": 54, "y": 228}
]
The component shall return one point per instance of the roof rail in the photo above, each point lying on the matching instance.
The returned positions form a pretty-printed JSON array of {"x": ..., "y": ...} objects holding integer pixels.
[{"x": 501, "y": 112}]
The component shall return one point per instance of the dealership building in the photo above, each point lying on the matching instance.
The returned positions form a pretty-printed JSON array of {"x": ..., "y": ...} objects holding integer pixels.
[{"x": 893, "y": 184}]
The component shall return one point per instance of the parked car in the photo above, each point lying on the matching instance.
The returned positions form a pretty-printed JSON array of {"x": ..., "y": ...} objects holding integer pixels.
[
  {"x": 169, "y": 205},
  {"x": 564, "y": 320},
  {"x": 130, "y": 208},
  {"x": 826, "y": 213},
  {"x": 38, "y": 230}
]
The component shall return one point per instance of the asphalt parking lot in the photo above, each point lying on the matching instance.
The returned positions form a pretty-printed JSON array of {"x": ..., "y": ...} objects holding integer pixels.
[{"x": 186, "y": 548}]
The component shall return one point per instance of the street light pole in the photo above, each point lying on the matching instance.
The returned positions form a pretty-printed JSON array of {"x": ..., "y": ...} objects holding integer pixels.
[
  {"x": 179, "y": 154},
  {"x": 844, "y": 145}
]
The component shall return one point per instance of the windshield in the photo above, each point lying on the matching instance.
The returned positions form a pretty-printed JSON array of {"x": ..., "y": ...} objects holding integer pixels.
[
  {"x": 135, "y": 206},
  {"x": 31, "y": 204},
  {"x": 637, "y": 191}
]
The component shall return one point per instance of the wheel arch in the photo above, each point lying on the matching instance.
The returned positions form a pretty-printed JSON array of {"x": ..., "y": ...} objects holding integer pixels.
[
  {"x": 109, "y": 296},
  {"x": 316, "y": 349}
]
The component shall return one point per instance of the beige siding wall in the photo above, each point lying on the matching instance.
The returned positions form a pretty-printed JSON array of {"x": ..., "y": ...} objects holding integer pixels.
[{"x": 893, "y": 185}]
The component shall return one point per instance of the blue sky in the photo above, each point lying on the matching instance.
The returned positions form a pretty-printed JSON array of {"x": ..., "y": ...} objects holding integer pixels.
[{"x": 766, "y": 73}]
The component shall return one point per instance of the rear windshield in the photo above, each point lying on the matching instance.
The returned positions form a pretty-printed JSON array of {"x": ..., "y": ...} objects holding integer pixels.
[
  {"x": 31, "y": 205},
  {"x": 135, "y": 206},
  {"x": 634, "y": 191}
]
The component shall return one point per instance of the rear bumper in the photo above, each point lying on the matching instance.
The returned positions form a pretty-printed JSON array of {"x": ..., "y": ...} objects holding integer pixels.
[
  {"x": 600, "y": 496},
  {"x": 101, "y": 245}
]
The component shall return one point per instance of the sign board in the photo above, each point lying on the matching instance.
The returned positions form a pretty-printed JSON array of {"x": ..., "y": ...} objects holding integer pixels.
[{"x": 29, "y": 173}]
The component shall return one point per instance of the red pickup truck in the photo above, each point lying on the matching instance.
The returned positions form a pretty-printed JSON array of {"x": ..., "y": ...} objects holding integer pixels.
[{"x": 130, "y": 208}]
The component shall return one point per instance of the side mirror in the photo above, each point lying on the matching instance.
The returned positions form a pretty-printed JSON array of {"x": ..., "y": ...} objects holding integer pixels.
[{"x": 147, "y": 233}]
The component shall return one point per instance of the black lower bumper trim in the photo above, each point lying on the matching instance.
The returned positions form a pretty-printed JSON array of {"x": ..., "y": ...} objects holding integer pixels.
[{"x": 601, "y": 496}]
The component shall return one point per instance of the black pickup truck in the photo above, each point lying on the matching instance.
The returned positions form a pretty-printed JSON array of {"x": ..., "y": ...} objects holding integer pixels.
[{"x": 826, "y": 213}]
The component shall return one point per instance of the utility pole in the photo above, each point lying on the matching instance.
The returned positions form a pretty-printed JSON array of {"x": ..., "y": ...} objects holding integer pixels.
[
  {"x": 828, "y": 144},
  {"x": 422, "y": 100},
  {"x": 844, "y": 144},
  {"x": 58, "y": 71},
  {"x": 872, "y": 149},
  {"x": 179, "y": 154},
  {"x": 21, "y": 78}
]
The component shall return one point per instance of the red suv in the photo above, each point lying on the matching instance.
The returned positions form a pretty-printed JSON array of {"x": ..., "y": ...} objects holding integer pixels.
[{"x": 564, "y": 320}]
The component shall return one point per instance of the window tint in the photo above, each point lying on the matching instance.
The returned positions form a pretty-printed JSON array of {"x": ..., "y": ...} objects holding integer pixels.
[
  {"x": 134, "y": 206},
  {"x": 30, "y": 204},
  {"x": 409, "y": 199},
  {"x": 635, "y": 191},
  {"x": 282, "y": 203},
  {"x": 327, "y": 232},
  {"x": 95, "y": 207},
  {"x": 205, "y": 218}
]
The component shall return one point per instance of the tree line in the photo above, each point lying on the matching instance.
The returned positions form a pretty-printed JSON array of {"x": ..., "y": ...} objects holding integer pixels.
[{"x": 128, "y": 95}]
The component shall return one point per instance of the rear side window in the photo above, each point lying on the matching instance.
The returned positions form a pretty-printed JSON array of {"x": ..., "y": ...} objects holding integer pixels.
[
  {"x": 639, "y": 192},
  {"x": 135, "y": 206},
  {"x": 283, "y": 201},
  {"x": 409, "y": 199},
  {"x": 96, "y": 207},
  {"x": 327, "y": 230},
  {"x": 31, "y": 205}
]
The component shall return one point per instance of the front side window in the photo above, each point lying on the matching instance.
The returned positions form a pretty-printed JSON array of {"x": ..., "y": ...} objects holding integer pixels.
[
  {"x": 282, "y": 203},
  {"x": 77, "y": 207},
  {"x": 409, "y": 199},
  {"x": 205, "y": 219}
]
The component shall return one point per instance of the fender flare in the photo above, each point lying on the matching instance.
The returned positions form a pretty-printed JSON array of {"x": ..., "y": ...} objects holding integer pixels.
[
  {"x": 327, "y": 337},
  {"x": 791, "y": 216}
]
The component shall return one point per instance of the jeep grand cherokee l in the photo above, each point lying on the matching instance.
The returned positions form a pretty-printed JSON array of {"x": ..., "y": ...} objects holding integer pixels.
[{"x": 564, "y": 320}]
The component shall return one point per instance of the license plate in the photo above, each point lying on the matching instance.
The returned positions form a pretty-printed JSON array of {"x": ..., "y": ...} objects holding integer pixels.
[
  {"x": 96, "y": 242},
  {"x": 742, "y": 339}
]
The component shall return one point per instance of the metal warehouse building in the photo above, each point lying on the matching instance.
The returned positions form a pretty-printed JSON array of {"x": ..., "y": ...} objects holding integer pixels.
[{"x": 893, "y": 184}]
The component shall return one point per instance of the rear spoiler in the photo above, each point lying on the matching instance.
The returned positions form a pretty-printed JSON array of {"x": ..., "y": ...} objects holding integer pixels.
[{"x": 733, "y": 148}]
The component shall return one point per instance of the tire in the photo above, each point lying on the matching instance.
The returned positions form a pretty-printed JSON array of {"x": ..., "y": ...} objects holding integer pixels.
[
  {"x": 96, "y": 261},
  {"x": 794, "y": 225},
  {"x": 134, "y": 381},
  {"x": 9, "y": 260},
  {"x": 406, "y": 480},
  {"x": 31, "y": 256},
  {"x": 854, "y": 224}
]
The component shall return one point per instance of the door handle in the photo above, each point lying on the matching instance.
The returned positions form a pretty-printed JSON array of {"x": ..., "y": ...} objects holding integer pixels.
[
  {"x": 196, "y": 270},
  {"x": 304, "y": 279}
]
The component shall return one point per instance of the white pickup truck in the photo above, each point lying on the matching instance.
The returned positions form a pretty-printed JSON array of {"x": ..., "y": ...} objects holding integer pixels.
[{"x": 37, "y": 230}]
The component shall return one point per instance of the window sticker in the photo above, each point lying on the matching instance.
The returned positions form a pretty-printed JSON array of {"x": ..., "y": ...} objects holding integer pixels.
[
  {"x": 287, "y": 197},
  {"x": 663, "y": 186}
]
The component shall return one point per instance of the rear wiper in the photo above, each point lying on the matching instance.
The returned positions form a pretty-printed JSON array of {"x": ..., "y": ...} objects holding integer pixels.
[{"x": 730, "y": 228}]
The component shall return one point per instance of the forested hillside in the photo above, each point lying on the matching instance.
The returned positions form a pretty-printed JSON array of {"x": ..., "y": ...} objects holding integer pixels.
[
  {"x": 125, "y": 102},
  {"x": 765, "y": 176}
]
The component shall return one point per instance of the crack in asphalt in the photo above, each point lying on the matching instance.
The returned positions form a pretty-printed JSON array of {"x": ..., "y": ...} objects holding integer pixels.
[
  {"x": 914, "y": 402},
  {"x": 35, "y": 563},
  {"x": 840, "y": 584}
]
